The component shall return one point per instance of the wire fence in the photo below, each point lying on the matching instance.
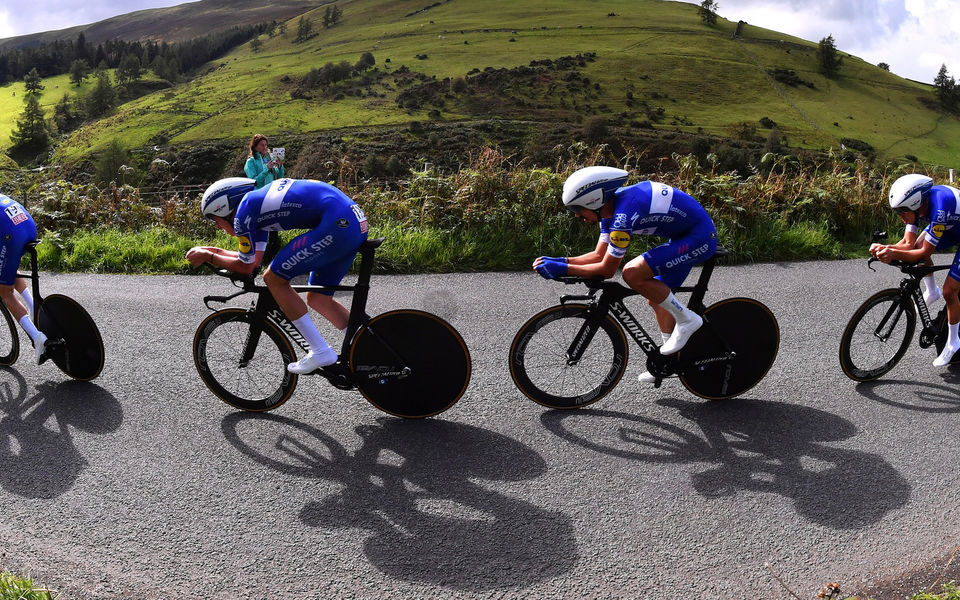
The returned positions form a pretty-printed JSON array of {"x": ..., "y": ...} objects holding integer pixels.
[{"x": 155, "y": 197}]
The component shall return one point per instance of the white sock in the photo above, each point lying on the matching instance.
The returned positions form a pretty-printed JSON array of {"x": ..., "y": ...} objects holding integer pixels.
[
  {"x": 29, "y": 327},
  {"x": 681, "y": 313},
  {"x": 27, "y": 300},
  {"x": 953, "y": 339},
  {"x": 665, "y": 335},
  {"x": 931, "y": 293},
  {"x": 343, "y": 331},
  {"x": 309, "y": 331}
]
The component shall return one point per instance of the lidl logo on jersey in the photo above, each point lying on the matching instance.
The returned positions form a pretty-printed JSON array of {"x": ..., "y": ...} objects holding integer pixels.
[
  {"x": 620, "y": 239},
  {"x": 938, "y": 229},
  {"x": 245, "y": 245},
  {"x": 16, "y": 214}
]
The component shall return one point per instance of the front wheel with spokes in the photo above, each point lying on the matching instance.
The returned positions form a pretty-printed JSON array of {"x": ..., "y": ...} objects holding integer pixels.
[
  {"x": 877, "y": 336},
  {"x": 541, "y": 369},
  {"x": 259, "y": 383}
]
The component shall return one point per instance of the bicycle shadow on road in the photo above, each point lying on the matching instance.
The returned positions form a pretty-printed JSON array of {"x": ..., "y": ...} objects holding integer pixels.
[
  {"x": 929, "y": 397},
  {"x": 412, "y": 484},
  {"x": 38, "y": 458},
  {"x": 757, "y": 446}
]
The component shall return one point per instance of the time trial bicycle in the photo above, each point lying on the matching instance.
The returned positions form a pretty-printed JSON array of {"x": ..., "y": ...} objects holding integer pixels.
[
  {"x": 880, "y": 330},
  {"x": 573, "y": 354},
  {"x": 408, "y": 363},
  {"x": 74, "y": 342}
]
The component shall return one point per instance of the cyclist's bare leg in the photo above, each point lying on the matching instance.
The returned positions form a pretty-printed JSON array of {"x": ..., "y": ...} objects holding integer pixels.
[
  {"x": 639, "y": 276},
  {"x": 287, "y": 298},
  {"x": 931, "y": 292},
  {"x": 13, "y": 304},
  {"x": 19, "y": 312},
  {"x": 665, "y": 320},
  {"x": 295, "y": 309},
  {"x": 333, "y": 311}
]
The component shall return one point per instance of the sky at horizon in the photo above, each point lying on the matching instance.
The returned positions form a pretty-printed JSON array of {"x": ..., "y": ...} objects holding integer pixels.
[{"x": 913, "y": 36}]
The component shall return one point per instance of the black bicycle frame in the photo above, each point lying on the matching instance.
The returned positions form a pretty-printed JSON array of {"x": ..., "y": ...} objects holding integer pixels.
[
  {"x": 31, "y": 249},
  {"x": 611, "y": 299}
]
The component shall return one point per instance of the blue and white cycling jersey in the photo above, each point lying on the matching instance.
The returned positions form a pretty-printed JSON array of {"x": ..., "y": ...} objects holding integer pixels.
[
  {"x": 651, "y": 208},
  {"x": 16, "y": 230},
  {"x": 292, "y": 204},
  {"x": 944, "y": 228}
]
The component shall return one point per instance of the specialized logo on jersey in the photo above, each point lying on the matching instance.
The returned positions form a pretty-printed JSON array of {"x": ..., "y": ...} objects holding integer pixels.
[
  {"x": 16, "y": 214},
  {"x": 619, "y": 220},
  {"x": 938, "y": 229},
  {"x": 245, "y": 245},
  {"x": 620, "y": 239}
]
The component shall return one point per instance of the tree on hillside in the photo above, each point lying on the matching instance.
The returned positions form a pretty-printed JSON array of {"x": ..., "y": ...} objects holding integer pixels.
[
  {"x": 79, "y": 69},
  {"x": 828, "y": 57},
  {"x": 31, "y": 133},
  {"x": 282, "y": 29},
  {"x": 946, "y": 87},
  {"x": 66, "y": 115},
  {"x": 255, "y": 44},
  {"x": 304, "y": 30},
  {"x": 883, "y": 66},
  {"x": 101, "y": 99},
  {"x": 31, "y": 82},
  {"x": 708, "y": 12},
  {"x": 366, "y": 61},
  {"x": 331, "y": 16},
  {"x": 129, "y": 71}
]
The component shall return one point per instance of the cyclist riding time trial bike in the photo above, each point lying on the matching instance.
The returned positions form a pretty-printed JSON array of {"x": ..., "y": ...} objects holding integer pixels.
[
  {"x": 408, "y": 363},
  {"x": 74, "y": 343},
  {"x": 879, "y": 332},
  {"x": 573, "y": 354}
]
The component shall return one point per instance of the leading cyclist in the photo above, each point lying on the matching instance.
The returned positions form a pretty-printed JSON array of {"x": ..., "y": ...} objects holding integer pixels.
[
  {"x": 914, "y": 197},
  {"x": 595, "y": 194},
  {"x": 337, "y": 229},
  {"x": 16, "y": 230}
]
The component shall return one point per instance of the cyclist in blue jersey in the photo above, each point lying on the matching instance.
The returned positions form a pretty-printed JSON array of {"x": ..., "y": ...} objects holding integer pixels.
[
  {"x": 915, "y": 197},
  {"x": 16, "y": 230},
  {"x": 596, "y": 194},
  {"x": 337, "y": 229}
]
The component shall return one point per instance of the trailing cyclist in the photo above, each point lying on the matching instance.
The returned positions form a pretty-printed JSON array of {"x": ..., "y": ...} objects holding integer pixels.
[
  {"x": 596, "y": 194},
  {"x": 337, "y": 229},
  {"x": 17, "y": 229},
  {"x": 914, "y": 197}
]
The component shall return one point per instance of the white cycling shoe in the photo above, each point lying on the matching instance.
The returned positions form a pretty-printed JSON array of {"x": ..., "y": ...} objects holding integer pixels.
[
  {"x": 40, "y": 347},
  {"x": 647, "y": 377},
  {"x": 313, "y": 361},
  {"x": 945, "y": 357},
  {"x": 681, "y": 335}
]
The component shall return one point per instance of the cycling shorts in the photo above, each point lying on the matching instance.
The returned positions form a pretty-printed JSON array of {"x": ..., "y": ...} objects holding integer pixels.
[
  {"x": 13, "y": 241},
  {"x": 955, "y": 267},
  {"x": 326, "y": 251},
  {"x": 672, "y": 262}
]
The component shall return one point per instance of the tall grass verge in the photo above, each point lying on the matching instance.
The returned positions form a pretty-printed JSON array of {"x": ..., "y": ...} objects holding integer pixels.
[{"x": 21, "y": 588}]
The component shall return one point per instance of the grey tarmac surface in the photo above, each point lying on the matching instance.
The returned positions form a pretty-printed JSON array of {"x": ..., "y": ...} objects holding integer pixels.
[{"x": 142, "y": 484}]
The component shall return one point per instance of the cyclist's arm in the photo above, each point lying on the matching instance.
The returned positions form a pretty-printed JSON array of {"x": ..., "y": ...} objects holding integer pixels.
[
  {"x": 909, "y": 255},
  {"x": 606, "y": 267},
  {"x": 590, "y": 257},
  {"x": 220, "y": 251},
  {"x": 233, "y": 263}
]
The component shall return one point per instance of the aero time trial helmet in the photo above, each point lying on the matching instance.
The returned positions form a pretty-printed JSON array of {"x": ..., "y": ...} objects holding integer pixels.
[
  {"x": 222, "y": 198},
  {"x": 907, "y": 192},
  {"x": 591, "y": 187}
]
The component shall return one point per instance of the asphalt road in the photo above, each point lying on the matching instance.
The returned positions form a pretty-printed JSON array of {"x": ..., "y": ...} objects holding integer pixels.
[{"x": 142, "y": 484}]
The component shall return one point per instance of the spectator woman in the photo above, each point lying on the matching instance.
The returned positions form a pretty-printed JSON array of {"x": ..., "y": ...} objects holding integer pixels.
[{"x": 260, "y": 165}]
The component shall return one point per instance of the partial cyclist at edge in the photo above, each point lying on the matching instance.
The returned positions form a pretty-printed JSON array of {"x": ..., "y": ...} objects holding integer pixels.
[
  {"x": 597, "y": 194},
  {"x": 17, "y": 229},
  {"x": 916, "y": 199},
  {"x": 337, "y": 229}
]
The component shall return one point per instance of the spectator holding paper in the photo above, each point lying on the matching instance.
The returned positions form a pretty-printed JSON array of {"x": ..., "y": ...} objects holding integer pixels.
[{"x": 263, "y": 166}]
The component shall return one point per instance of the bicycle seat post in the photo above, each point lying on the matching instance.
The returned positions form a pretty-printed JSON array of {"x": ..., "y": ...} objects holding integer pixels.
[
  {"x": 358, "y": 305},
  {"x": 31, "y": 247}
]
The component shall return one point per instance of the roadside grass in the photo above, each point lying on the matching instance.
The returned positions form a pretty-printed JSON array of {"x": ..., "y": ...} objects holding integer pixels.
[
  {"x": 950, "y": 592},
  {"x": 13, "y": 587},
  {"x": 659, "y": 52}
]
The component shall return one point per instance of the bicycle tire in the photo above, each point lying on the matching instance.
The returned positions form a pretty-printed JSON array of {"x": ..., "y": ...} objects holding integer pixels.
[
  {"x": 750, "y": 330},
  {"x": 433, "y": 350},
  {"x": 82, "y": 353},
  {"x": 217, "y": 345},
  {"x": 855, "y": 355},
  {"x": 540, "y": 369},
  {"x": 9, "y": 340}
]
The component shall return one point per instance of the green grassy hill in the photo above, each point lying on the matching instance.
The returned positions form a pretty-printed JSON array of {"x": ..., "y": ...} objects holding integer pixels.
[{"x": 656, "y": 64}]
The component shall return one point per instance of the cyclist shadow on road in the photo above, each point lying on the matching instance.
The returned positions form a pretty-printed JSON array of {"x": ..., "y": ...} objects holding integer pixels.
[
  {"x": 412, "y": 484},
  {"x": 923, "y": 397},
  {"x": 755, "y": 446},
  {"x": 38, "y": 458}
]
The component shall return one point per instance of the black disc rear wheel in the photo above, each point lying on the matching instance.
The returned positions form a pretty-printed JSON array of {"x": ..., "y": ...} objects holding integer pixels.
[
  {"x": 410, "y": 363},
  {"x": 744, "y": 326},
  {"x": 81, "y": 354}
]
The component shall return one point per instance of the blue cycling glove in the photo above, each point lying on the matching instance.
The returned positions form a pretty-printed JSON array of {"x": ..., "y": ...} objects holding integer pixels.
[{"x": 551, "y": 268}]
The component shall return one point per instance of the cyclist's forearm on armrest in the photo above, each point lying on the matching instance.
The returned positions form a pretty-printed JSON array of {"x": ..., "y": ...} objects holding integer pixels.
[
  {"x": 596, "y": 256},
  {"x": 233, "y": 263}
]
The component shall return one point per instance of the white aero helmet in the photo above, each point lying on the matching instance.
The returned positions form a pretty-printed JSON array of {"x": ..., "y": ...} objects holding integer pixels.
[
  {"x": 591, "y": 187},
  {"x": 907, "y": 192},
  {"x": 222, "y": 198}
]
